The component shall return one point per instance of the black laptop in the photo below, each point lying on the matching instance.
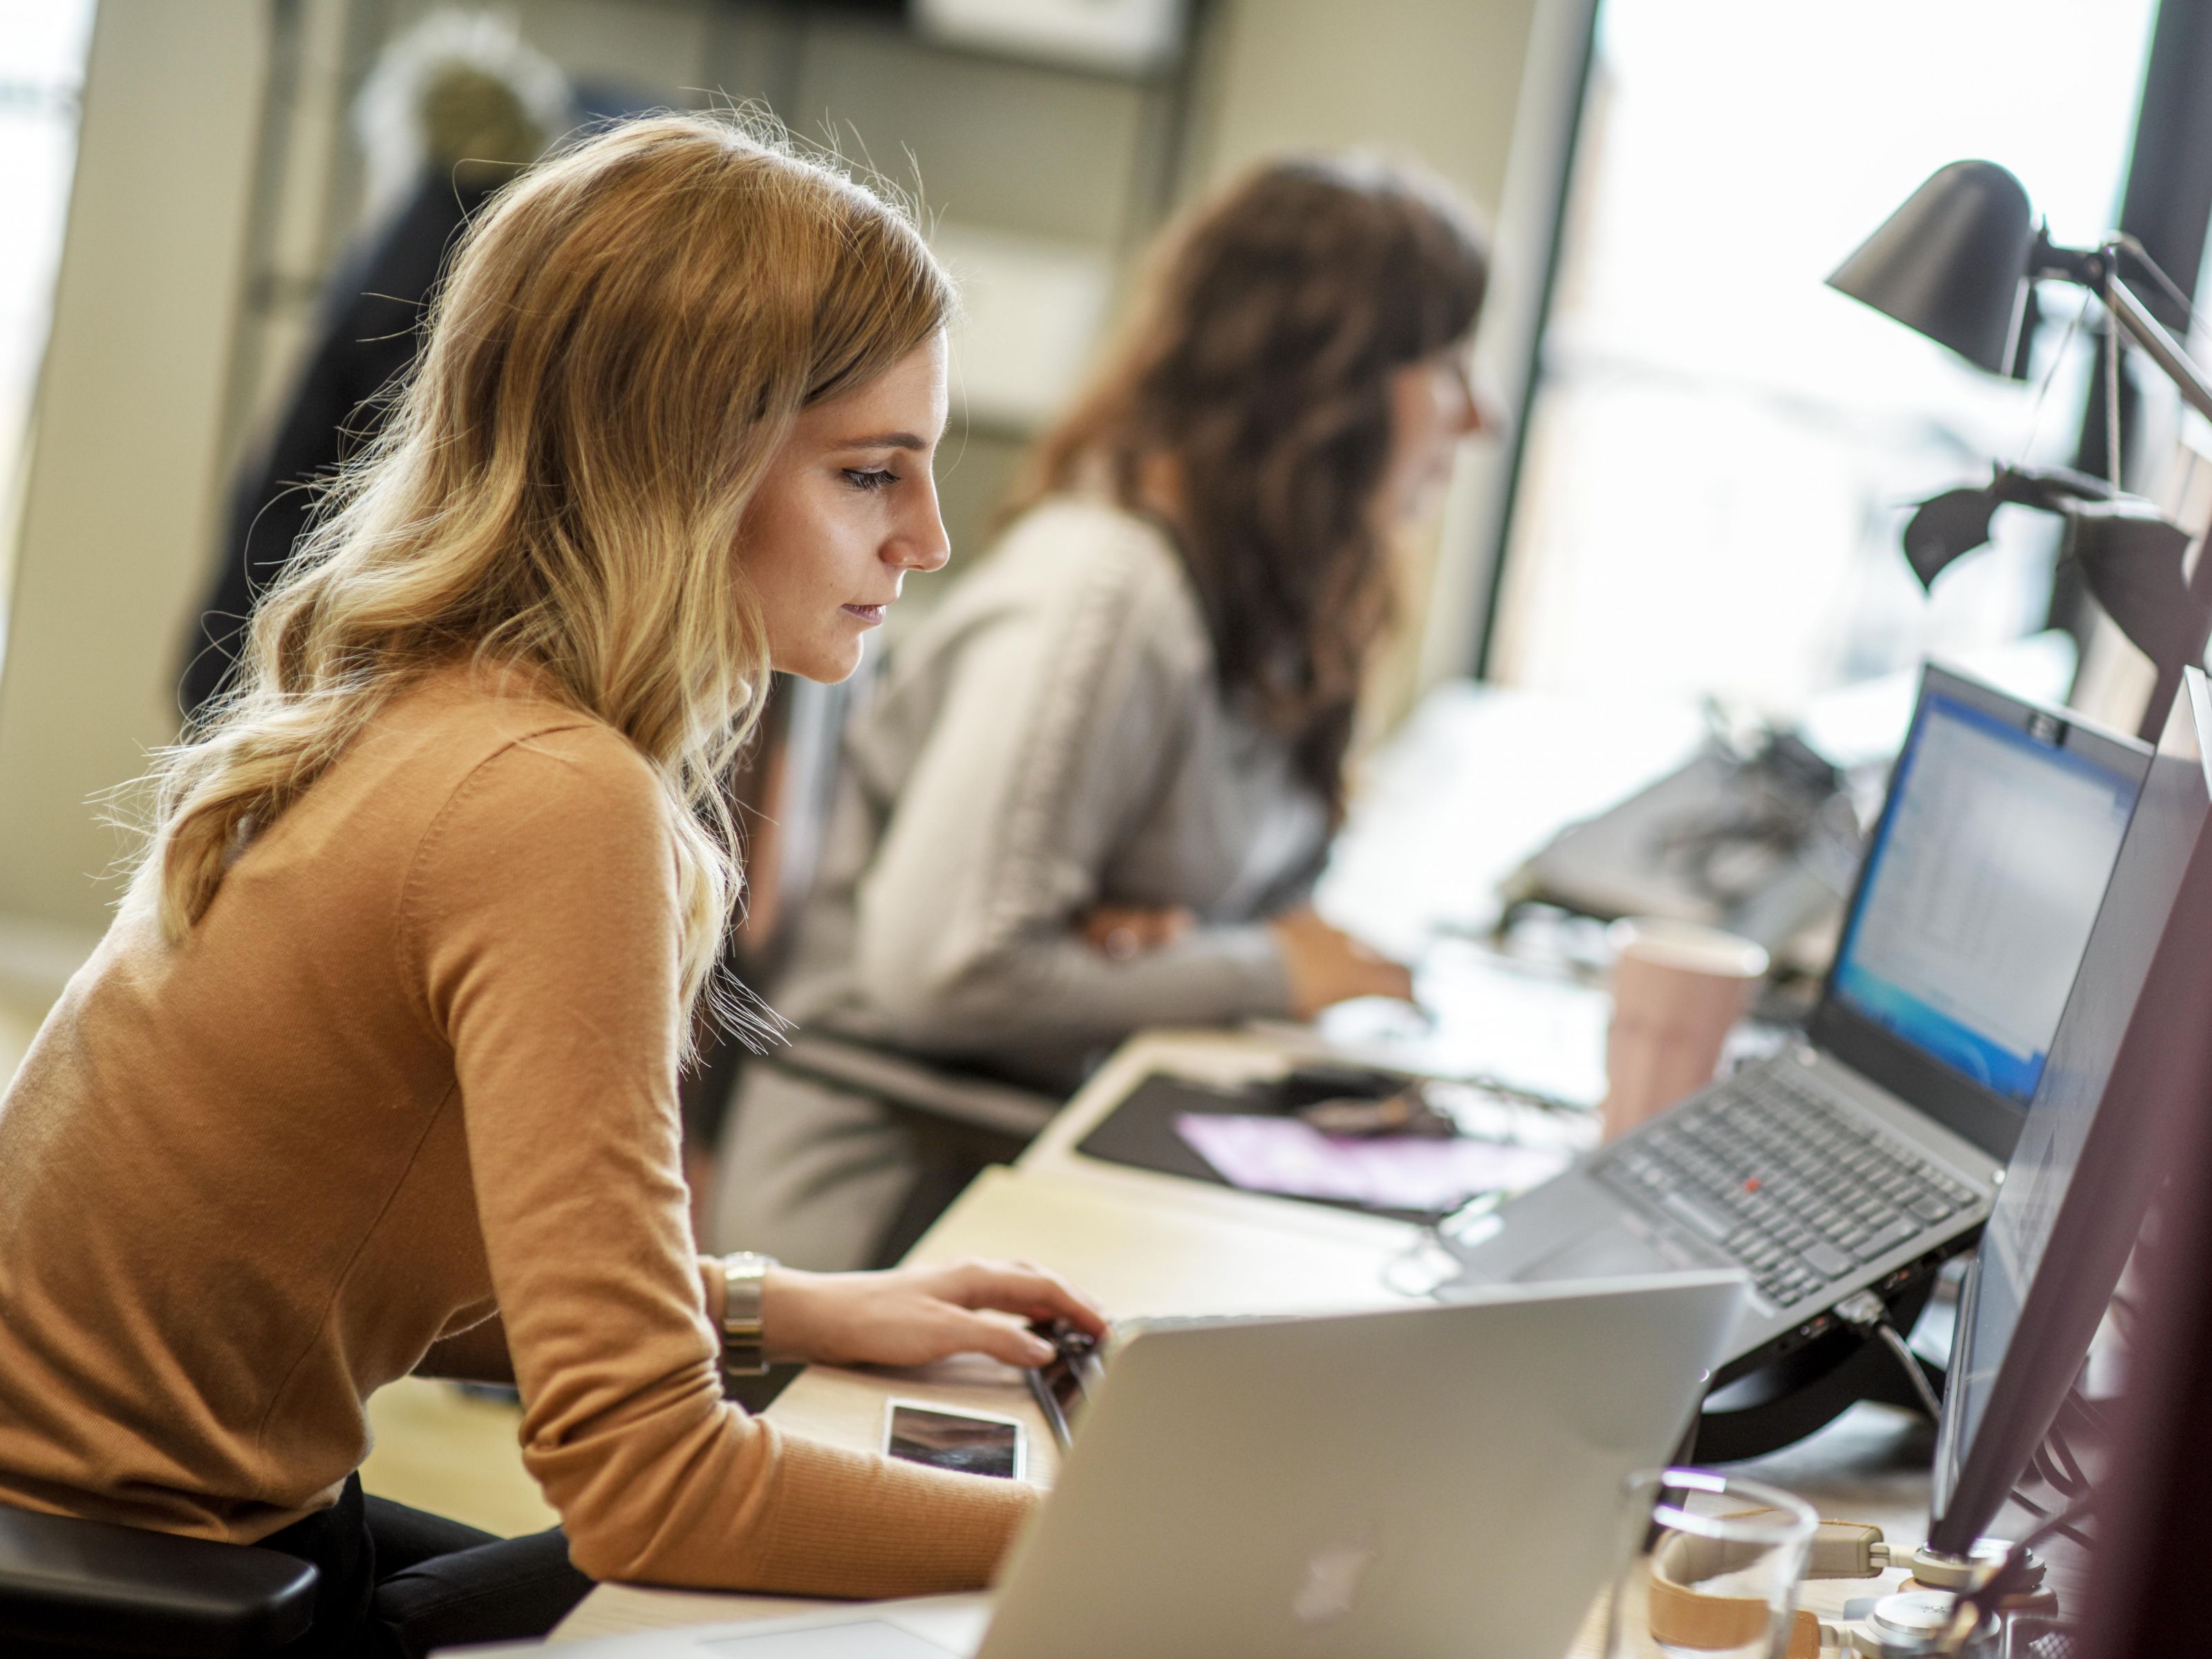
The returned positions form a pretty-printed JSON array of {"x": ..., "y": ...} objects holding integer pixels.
[{"x": 1872, "y": 1149}]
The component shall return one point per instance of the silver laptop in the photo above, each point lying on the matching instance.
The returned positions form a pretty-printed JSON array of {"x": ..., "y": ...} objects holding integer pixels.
[
  {"x": 1431, "y": 1480},
  {"x": 1867, "y": 1153}
]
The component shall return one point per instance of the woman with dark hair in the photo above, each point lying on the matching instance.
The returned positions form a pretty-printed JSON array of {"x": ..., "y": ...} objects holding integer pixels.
[{"x": 1097, "y": 784}]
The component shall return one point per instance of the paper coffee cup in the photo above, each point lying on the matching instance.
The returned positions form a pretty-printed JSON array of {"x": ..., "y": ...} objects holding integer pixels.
[{"x": 1678, "y": 989}]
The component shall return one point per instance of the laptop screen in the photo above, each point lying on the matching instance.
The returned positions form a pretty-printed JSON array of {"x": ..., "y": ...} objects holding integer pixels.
[{"x": 1981, "y": 883}]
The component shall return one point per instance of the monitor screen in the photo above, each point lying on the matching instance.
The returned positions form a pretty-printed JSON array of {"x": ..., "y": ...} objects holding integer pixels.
[
  {"x": 1979, "y": 889},
  {"x": 2109, "y": 1015}
]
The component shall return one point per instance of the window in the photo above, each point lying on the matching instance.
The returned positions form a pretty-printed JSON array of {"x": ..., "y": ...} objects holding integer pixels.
[
  {"x": 42, "y": 51},
  {"x": 1722, "y": 451}
]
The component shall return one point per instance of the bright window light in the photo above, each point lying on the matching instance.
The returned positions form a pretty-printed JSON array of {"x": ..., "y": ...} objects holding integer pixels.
[
  {"x": 1722, "y": 451},
  {"x": 42, "y": 51}
]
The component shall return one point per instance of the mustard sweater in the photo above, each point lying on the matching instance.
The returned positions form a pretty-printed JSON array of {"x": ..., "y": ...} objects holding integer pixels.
[{"x": 416, "y": 1065}]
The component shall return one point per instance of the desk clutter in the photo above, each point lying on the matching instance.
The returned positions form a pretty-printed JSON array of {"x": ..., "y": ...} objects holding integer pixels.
[
  {"x": 1377, "y": 1141},
  {"x": 1241, "y": 1489},
  {"x": 1204, "y": 1175}
]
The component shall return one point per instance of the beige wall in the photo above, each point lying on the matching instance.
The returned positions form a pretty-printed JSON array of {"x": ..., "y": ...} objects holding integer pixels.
[
  {"x": 124, "y": 477},
  {"x": 1439, "y": 80}
]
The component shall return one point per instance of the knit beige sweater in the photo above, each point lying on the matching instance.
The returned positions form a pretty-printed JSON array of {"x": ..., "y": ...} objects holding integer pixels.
[{"x": 416, "y": 1065}]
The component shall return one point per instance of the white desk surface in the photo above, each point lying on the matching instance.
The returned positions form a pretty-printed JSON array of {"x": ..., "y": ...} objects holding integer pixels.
[
  {"x": 1140, "y": 1252},
  {"x": 1155, "y": 1244}
]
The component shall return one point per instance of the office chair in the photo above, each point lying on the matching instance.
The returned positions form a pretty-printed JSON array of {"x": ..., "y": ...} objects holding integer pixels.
[
  {"x": 73, "y": 1583},
  {"x": 784, "y": 794}
]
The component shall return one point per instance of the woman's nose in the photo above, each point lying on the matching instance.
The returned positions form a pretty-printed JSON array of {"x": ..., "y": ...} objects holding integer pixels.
[
  {"x": 921, "y": 543},
  {"x": 1480, "y": 411}
]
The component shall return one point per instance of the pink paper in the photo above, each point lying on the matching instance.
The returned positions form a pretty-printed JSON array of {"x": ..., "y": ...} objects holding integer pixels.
[{"x": 1390, "y": 1172}]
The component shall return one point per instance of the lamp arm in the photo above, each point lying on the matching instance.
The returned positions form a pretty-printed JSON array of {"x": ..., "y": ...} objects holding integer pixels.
[
  {"x": 2161, "y": 347},
  {"x": 2099, "y": 270}
]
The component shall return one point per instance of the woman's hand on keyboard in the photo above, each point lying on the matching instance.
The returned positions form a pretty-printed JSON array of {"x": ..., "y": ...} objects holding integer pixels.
[
  {"x": 912, "y": 1315},
  {"x": 1123, "y": 930},
  {"x": 1327, "y": 965}
]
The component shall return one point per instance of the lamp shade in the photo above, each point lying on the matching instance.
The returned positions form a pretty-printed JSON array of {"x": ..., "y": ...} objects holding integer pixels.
[{"x": 1949, "y": 262}]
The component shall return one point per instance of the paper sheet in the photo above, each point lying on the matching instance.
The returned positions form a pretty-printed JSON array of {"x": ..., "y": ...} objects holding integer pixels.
[
  {"x": 1489, "y": 1017},
  {"x": 1392, "y": 1172}
]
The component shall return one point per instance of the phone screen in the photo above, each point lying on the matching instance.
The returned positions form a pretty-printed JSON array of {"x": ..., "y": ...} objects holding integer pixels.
[{"x": 954, "y": 1440}]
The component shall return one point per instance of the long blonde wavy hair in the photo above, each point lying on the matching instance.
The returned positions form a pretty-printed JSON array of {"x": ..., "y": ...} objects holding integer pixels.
[{"x": 622, "y": 344}]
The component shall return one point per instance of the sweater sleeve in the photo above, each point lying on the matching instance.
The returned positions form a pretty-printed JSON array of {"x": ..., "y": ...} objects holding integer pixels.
[
  {"x": 542, "y": 918},
  {"x": 1060, "y": 723}
]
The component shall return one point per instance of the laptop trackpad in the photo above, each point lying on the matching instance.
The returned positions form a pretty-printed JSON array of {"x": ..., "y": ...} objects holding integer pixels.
[
  {"x": 871, "y": 1639},
  {"x": 1602, "y": 1253}
]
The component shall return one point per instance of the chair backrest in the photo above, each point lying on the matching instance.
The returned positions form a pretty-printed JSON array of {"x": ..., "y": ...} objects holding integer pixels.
[
  {"x": 94, "y": 1584},
  {"x": 783, "y": 794},
  {"x": 784, "y": 797}
]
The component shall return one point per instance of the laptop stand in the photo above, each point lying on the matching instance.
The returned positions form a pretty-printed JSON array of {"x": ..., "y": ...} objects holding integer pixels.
[{"x": 1807, "y": 1388}]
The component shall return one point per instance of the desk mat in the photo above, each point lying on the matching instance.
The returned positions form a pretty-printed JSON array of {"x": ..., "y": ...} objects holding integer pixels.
[{"x": 1140, "y": 1133}]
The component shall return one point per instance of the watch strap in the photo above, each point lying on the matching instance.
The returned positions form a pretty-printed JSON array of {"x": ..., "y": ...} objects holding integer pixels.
[{"x": 744, "y": 1276}]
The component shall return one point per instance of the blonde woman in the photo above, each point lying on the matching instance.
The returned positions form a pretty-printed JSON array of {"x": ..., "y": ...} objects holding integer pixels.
[{"x": 375, "y": 1071}]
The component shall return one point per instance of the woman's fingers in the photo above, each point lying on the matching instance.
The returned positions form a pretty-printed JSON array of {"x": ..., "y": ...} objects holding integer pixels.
[
  {"x": 1326, "y": 966},
  {"x": 979, "y": 1333},
  {"x": 1123, "y": 930},
  {"x": 1394, "y": 979},
  {"x": 1020, "y": 1288},
  {"x": 1168, "y": 926}
]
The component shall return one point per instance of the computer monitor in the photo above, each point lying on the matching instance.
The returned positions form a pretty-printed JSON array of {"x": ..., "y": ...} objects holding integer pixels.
[
  {"x": 1974, "y": 900},
  {"x": 2126, "y": 1075},
  {"x": 2154, "y": 1527}
]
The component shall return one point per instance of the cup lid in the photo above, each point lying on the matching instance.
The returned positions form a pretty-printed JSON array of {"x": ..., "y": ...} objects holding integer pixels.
[{"x": 1687, "y": 944}]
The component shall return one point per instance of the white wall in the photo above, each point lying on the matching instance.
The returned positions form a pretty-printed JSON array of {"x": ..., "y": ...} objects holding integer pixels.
[{"x": 123, "y": 479}]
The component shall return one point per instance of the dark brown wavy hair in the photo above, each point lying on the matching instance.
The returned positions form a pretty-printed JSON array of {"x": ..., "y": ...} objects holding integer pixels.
[{"x": 1258, "y": 363}]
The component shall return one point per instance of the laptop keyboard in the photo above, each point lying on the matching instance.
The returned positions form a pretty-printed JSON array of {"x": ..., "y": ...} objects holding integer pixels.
[{"x": 1798, "y": 1192}]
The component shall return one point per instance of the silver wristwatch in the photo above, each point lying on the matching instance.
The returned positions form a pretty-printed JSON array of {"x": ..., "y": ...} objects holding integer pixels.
[{"x": 743, "y": 1276}]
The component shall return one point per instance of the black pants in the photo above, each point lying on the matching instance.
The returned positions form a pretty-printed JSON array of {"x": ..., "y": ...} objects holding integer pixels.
[{"x": 396, "y": 1582}]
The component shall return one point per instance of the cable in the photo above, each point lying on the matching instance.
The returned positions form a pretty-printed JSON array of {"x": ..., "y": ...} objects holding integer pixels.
[
  {"x": 1865, "y": 1313},
  {"x": 1910, "y": 1361},
  {"x": 2062, "y": 1522},
  {"x": 2043, "y": 390},
  {"x": 2052, "y": 1461}
]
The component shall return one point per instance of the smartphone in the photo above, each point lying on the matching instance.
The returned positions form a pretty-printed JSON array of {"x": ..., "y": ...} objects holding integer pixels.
[{"x": 971, "y": 1442}]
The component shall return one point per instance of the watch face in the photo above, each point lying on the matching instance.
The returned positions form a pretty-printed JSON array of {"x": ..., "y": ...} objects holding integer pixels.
[{"x": 742, "y": 1276}]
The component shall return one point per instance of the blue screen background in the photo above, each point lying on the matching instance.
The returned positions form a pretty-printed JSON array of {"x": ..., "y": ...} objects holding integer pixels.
[{"x": 1935, "y": 1033}]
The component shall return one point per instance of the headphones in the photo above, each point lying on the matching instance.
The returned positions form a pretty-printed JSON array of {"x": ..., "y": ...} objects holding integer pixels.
[{"x": 1683, "y": 1616}]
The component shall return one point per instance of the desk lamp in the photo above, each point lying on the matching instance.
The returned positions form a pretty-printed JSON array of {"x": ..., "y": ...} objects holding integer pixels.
[{"x": 1957, "y": 262}]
